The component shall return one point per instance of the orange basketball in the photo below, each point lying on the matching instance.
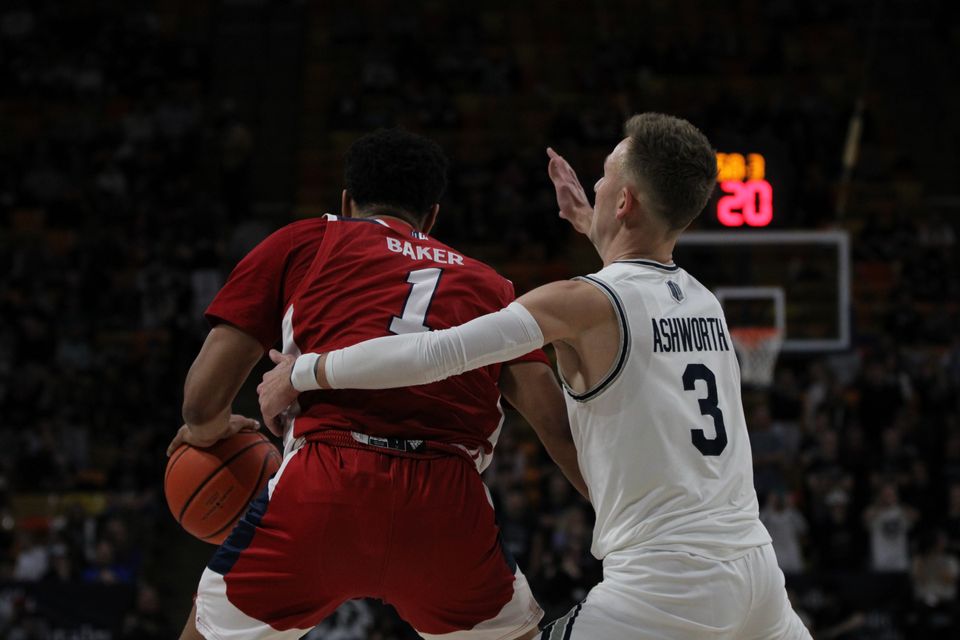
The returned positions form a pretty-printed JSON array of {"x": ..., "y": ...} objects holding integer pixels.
[{"x": 209, "y": 489}]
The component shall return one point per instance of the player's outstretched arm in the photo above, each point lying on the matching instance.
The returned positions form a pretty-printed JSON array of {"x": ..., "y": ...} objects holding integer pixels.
[
  {"x": 532, "y": 389},
  {"x": 571, "y": 198},
  {"x": 223, "y": 364},
  {"x": 558, "y": 311}
]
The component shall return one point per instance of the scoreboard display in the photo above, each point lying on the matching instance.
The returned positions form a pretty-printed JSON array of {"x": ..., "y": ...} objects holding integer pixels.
[{"x": 746, "y": 195}]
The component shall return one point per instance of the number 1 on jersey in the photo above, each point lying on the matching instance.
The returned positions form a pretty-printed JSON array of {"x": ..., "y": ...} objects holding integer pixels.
[{"x": 413, "y": 318}]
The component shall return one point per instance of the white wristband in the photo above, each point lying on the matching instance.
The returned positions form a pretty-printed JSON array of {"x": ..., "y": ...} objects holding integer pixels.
[{"x": 303, "y": 377}]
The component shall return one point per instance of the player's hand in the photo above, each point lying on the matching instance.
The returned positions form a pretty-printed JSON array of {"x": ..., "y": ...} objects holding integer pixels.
[
  {"x": 276, "y": 392},
  {"x": 571, "y": 198},
  {"x": 207, "y": 437}
]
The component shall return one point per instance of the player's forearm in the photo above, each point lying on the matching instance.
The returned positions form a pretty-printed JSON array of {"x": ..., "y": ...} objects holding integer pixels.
[
  {"x": 421, "y": 358},
  {"x": 532, "y": 389},
  {"x": 205, "y": 402},
  {"x": 564, "y": 454},
  {"x": 220, "y": 369},
  {"x": 211, "y": 428}
]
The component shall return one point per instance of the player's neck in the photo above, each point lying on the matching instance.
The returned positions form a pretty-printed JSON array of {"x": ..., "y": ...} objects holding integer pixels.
[
  {"x": 622, "y": 248},
  {"x": 641, "y": 255},
  {"x": 388, "y": 218},
  {"x": 405, "y": 223}
]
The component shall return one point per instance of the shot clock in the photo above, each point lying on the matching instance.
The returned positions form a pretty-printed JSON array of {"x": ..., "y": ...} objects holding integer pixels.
[{"x": 747, "y": 197}]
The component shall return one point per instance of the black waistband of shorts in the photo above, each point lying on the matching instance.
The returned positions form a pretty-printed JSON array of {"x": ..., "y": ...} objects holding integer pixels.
[{"x": 395, "y": 446}]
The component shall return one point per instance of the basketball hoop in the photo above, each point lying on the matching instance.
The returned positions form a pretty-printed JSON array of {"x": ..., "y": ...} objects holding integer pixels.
[{"x": 758, "y": 348}]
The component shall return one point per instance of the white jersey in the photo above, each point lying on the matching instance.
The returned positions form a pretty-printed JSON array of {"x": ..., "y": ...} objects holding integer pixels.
[{"x": 661, "y": 439}]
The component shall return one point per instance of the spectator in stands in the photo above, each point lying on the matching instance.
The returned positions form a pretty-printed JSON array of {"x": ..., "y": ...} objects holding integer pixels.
[
  {"x": 148, "y": 621},
  {"x": 882, "y": 391},
  {"x": 33, "y": 557},
  {"x": 951, "y": 459},
  {"x": 62, "y": 565},
  {"x": 889, "y": 522},
  {"x": 837, "y": 535},
  {"x": 787, "y": 528},
  {"x": 952, "y": 518},
  {"x": 517, "y": 523},
  {"x": 823, "y": 470},
  {"x": 895, "y": 462},
  {"x": 104, "y": 568},
  {"x": 934, "y": 573},
  {"x": 769, "y": 452}
]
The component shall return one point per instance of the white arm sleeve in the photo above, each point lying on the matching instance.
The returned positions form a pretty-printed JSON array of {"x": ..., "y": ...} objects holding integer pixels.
[{"x": 419, "y": 358}]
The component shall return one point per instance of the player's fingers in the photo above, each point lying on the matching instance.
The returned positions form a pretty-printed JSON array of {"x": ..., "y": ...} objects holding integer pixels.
[
  {"x": 552, "y": 170},
  {"x": 276, "y": 426},
  {"x": 240, "y": 423},
  {"x": 273, "y": 418},
  {"x": 556, "y": 161},
  {"x": 266, "y": 409},
  {"x": 247, "y": 423},
  {"x": 557, "y": 158},
  {"x": 559, "y": 164},
  {"x": 176, "y": 442},
  {"x": 276, "y": 356},
  {"x": 266, "y": 379}
]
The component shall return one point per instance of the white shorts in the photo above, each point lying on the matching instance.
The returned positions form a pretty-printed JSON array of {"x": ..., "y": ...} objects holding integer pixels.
[{"x": 669, "y": 595}]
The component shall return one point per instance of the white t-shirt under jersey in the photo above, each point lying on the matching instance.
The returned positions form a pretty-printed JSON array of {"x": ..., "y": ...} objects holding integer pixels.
[{"x": 662, "y": 440}]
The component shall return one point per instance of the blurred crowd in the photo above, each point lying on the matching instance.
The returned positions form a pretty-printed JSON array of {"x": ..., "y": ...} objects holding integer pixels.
[
  {"x": 106, "y": 232},
  {"x": 122, "y": 210}
]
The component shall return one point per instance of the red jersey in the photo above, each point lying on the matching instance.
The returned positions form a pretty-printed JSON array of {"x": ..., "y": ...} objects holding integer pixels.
[{"x": 329, "y": 282}]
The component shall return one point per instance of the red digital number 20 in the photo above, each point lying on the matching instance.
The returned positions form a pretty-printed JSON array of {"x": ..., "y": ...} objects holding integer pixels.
[{"x": 748, "y": 203}]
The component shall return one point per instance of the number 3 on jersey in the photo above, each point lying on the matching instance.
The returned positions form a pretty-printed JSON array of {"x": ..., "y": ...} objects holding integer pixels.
[
  {"x": 708, "y": 407},
  {"x": 413, "y": 318}
]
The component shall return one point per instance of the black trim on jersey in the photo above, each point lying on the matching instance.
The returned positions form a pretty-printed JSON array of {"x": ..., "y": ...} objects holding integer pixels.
[
  {"x": 573, "y": 618},
  {"x": 621, "y": 360},
  {"x": 562, "y": 625},
  {"x": 650, "y": 263}
]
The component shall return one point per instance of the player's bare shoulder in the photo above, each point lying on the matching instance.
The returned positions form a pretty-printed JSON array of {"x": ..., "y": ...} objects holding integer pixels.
[{"x": 569, "y": 309}]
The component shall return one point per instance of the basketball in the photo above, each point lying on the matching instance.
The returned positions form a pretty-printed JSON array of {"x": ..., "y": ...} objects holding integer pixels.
[{"x": 208, "y": 489}]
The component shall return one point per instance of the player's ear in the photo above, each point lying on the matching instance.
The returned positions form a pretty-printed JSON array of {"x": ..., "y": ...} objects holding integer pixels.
[
  {"x": 346, "y": 205},
  {"x": 626, "y": 203},
  {"x": 431, "y": 219}
]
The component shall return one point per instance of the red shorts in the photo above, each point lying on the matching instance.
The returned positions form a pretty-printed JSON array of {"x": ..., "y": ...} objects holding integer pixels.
[{"x": 339, "y": 522}]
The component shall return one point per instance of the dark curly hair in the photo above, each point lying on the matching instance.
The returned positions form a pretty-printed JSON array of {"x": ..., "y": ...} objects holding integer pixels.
[
  {"x": 396, "y": 170},
  {"x": 674, "y": 165}
]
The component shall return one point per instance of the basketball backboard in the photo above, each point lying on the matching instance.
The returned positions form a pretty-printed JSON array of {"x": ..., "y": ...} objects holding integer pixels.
[{"x": 800, "y": 278}]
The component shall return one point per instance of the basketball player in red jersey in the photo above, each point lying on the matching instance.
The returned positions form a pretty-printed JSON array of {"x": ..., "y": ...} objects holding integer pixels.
[{"x": 379, "y": 494}]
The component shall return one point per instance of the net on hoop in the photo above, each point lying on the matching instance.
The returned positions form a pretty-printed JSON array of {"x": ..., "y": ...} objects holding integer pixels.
[{"x": 758, "y": 348}]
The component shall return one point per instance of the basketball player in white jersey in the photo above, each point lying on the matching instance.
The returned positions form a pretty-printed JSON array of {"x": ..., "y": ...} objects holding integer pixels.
[{"x": 653, "y": 393}]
